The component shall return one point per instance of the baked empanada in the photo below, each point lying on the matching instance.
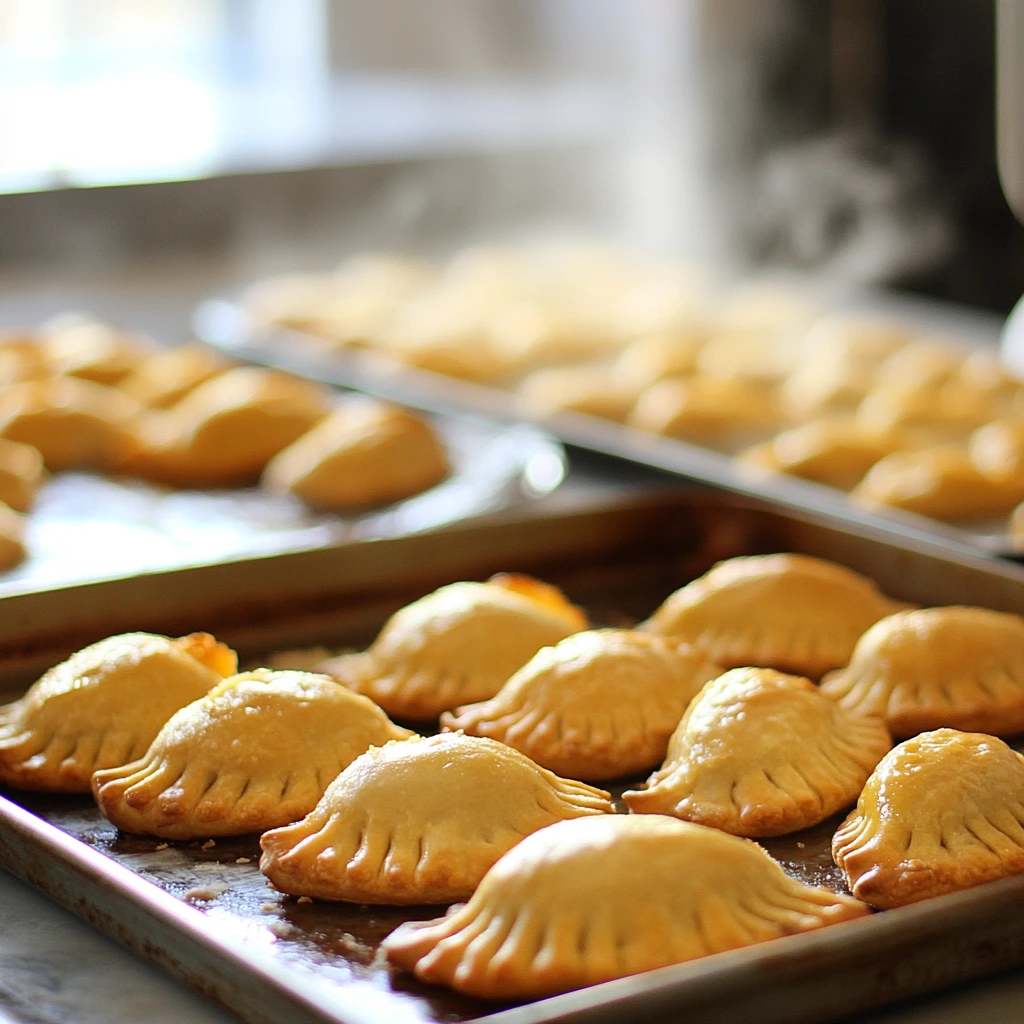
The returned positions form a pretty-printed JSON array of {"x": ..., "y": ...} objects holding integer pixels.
[
  {"x": 592, "y": 389},
  {"x": 103, "y": 706},
  {"x": 940, "y": 481},
  {"x": 597, "y": 705},
  {"x": 79, "y": 346},
  {"x": 74, "y": 424},
  {"x": 457, "y": 645},
  {"x": 164, "y": 378},
  {"x": 256, "y": 752},
  {"x": 997, "y": 448},
  {"x": 790, "y": 612},
  {"x": 760, "y": 753},
  {"x": 586, "y": 901},
  {"x": 941, "y": 812},
  {"x": 363, "y": 453},
  {"x": 955, "y": 666},
  {"x": 421, "y": 821},
  {"x": 227, "y": 429},
  {"x": 656, "y": 356},
  {"x": 832, "y": 450}
]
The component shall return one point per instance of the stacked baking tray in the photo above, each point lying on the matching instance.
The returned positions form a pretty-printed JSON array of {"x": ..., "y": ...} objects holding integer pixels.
[{"x": 202, "y": 911}]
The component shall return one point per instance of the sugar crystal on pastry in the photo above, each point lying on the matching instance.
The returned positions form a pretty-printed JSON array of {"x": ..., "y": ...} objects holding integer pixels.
[
  {"x": 597, "y": 705},
  {"x": 420, "y": 821},
  {"x": 255, "y": 753},
  {"x": 943, "y": 811},
  {"x": 785, "y": 611},
  {"x": 103, "y": 706},
  {"x": 585, "y": 901},
  {"x": 457, "y": 645},
  {"x": 761, "y": 753},
  {"x": 952, "y": 666}
]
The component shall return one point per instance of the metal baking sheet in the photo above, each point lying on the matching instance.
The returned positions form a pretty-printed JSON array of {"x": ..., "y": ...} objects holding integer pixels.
[
  {"x": 203, "y": 912},
  {"x": 86, "y": 527},
  {"x": 224, "y": 324}
]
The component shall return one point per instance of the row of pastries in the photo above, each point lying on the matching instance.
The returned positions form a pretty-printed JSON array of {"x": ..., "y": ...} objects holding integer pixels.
[
  {"x": 762, "y": 697},
  {"x": 897, "y": 416},
  {"x": 79, "y": 394}
]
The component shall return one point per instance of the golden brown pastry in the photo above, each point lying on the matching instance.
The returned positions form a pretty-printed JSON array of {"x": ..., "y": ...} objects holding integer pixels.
[
  {"x": 585, "y": 901},
  {"x": 418, "y": 821},
  {"x": 591, "y": 389},
  {"x": 226, "y": 430},
  {"x": 459, "y": 644},
  {"x": 22, "y": 358},
  {"x": 103, "y": 706},
  {"x": 164, "y": 378},
  {"x": 656, "y": 356},
  {"x": 256, "y": 752},
  {"x": 832, "y": 450},
  {"x": 941, "y": 812},
  {"x": 997, "y": 449},
  {"x": 790, "y": 612},
  {"x": 955, "y": 666},
  {"x": 760, "y": 753},
  {"x": 22, "y": 473},
  {"x": 922, "y": 361},
  {"x": 74, "y": 424},
  {"x": 79, "y": 346},
  {"x": 12, "y": 537},
  {"x": 933, "y": 411},
  {"x": 825, "y": 383},
  {"x": 940, "y": 481},
  {"x": 363, "y": 453},
  {"x": 754, "y": 356},
  {"x": 597, "y": 705},
  {"x": 717, "y": 413}
]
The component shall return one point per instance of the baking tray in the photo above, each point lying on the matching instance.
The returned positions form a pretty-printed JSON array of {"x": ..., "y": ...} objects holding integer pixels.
[
  {"x": 84, "y": 526},
  {"x": 224, "y": 324},
  {"x": 203, "y": 912}
]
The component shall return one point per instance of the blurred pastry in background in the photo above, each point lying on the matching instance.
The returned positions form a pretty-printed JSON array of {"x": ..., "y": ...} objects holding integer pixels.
[
  {"x": 74, "y": 424},
  {"x": 721, "y": 414},
  {"x": 225, "y": 431},
  {"x": 654, "y": 357},
  {"x": 362, "y": 454},
  {"x": 833, "y": 450},
  {"x": 78, "y": 345},
  {"x": 592, "y": 389},
  {"x": 12, "y": 538},
  {"x": 22, "y": 473},
  {"x": 22, "y": 358},
  {"x": 940, "y": 481},
  {"x": 163, "y": 378}
]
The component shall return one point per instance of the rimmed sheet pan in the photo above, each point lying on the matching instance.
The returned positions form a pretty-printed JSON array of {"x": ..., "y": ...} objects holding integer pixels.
[{"x": 203, "y": 912}]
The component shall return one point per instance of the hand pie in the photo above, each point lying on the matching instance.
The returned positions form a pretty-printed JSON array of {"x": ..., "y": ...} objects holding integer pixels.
[
  {"x": 759, "y": 753},
  {"x": 225, "y": 431},
  {"x": 656, "y": 356},
  {"x": 417, "y": 822},
  {"x": 832, "y": 450},
  {"x": 790, "y": 612},
  {"x": 255, "y": 753},
  {"x": 457, "y": 645},
  {"x": 79, "y": 346},
  {"x": 164, "y": 378},
  {"x": 593, "y": 390},
  {"x": 941, "y": 812},
  {"x": 717, "y": 413},
  {"x": 22, "y": 473},
  {"x": 75, "y": 424},
  {"x": 586, "y": 901},
  {"x": 940, "y": 481},
  {"x": 997, "y": 449},
  {"x": 957, "y": 666},
  {"x": 103, "y": 706},
  {"x": 363, "y": 453},
  {"x": 597, "y": 705},
  {"x": 933, "y": 411}
]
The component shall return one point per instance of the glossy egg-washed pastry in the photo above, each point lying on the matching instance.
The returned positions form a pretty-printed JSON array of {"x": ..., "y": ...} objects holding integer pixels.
[
  {"x": 761, "y": 753},
  {"x": 789, "y": 612},
  {"x": 255, "y": 753},
  {"x": 589, "y": 900},
  {"x": 420, "y": 821},
  {"x": 457, "y": 645},
  {"x": 363, "y": 453},
  {"x": 941, "y": 812},
  {"x": 597, "y": 705},
  {"x": 953, "y": 666},
  {"x": 103, "y": 707}
]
